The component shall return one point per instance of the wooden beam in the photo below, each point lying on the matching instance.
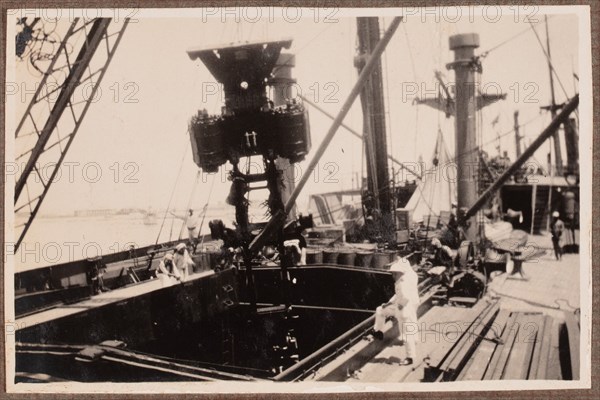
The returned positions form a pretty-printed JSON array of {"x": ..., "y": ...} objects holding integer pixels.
[
  {"x": 513, "y": 330},
  {"x": 540, "y": 373},
  {"x": 472, "y": 339},
  {"x": 479, "y": 362},
  {"x": 535, "y": 357},
  {"x": 508, "y": 328},
  {"x": 520, "y": 357}
]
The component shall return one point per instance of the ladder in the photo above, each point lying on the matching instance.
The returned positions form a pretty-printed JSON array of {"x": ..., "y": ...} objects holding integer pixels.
[
  {"x": 55, "y": 113},
  {"x": 540, "y": 214}
]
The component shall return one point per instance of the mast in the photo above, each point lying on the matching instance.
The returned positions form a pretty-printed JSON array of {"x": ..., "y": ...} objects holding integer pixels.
[
  {"x": 517, "y": 135},
  {"x": 277, "y": 219},
  {"x": 563, "y": 116},
  {"x": 553, "y": 107},
  {"x": 465, "y": 66},
  {"x": 372, "y": 101},
  {"x": 572, "y": 142}
]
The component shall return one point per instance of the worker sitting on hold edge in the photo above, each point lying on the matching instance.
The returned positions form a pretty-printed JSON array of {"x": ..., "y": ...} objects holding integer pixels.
[
  {"x": 403, "y": 307},
  {"x": 166, "y": 269}
]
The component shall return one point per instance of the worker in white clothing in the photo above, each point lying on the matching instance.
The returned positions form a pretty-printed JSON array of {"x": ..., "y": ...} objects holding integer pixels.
[
  {"x": 166, "y": 270},
  {"x": 192, "y": 222},
  {"x": 403, "y": 307},
  {"x": 182, "y": 261}
]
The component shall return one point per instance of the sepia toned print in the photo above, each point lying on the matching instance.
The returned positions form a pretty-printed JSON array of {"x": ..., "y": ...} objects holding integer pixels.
[{"x": 247, "y": 199}]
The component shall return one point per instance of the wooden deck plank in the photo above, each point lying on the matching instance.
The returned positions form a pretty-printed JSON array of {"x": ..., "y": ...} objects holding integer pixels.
[
  {"x": 506, "y": 332},
  {"x": 381, "y": 367},
  {"x": 352, "y": 363},
  {"x": 545, "y": 349},
  {"x": 500, "y": 367},
  {"x": 472, "y": 340},
  {"x": 446, "y": 328},
  {"x": 438, "y": 319},
  {"x": 478, "y": 364},
  {"x": 440, "y": 353},
  {"x": 373, "y": 369},
  {"x": 553, "y": 371},
  {"x": 519, "y": 360},
  {"x": 535, "y": 357}
]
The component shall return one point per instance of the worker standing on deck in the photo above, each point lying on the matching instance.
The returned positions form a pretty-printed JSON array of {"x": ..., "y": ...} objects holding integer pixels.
[
  {"x": 182, "y": 260},
  {"x": 556, "y": 228},
  {"x": 192, "y": 223},
  {"x": 403, "y": 307},
  {"x": 294, "y": 245}
]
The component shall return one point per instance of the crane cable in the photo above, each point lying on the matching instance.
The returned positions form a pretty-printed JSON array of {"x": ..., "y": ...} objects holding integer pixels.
[
  {"x": 488, "y": 51},
  {"x": 189, "y": 204},
  {"x": 549, "y": 60},
  {"x": 172, "y": 193},
  {"x": 205, "y": 208}
]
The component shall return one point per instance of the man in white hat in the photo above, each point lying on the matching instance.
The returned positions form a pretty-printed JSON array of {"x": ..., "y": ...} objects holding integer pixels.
[
  {"x": 556, "y": 228},
  {"x": 182, "y": 260},
  {"x": 166, "y": 269},
  {"x": 403, "y": 307}
]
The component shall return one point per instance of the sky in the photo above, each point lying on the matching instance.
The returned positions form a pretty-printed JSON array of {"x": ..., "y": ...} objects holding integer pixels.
[{"x": 136, "y": 133}]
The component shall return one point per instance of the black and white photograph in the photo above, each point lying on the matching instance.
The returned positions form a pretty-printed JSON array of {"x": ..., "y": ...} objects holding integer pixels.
[{"x": 298, "y": 199}]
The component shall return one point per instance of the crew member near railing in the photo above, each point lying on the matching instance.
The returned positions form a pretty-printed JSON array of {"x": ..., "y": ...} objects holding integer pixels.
[
  {"x": 403, "y": 307},
  {"x": 192, "y": 222},
  {"x": 167, "y": 269},
  {"x": 182, "y": 260}
]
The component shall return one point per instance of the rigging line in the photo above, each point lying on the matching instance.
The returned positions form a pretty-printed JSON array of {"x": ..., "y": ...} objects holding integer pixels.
[
  {"x": 436, "y": 155},
  {"x": 171, "y": 229},
  {"x": 277, "y": 68},
  {"x": 189, "y": 204},
  {"x": 172, "y": 192},
  {"x": 212, "y": 185},
  {"x": 429, "y": 206},
  {"x": 353, "y": 132},
  {"x": 488, "y": 51},
  {"x": 494, "y": 139},
  {"x": 549, "y": 60}
]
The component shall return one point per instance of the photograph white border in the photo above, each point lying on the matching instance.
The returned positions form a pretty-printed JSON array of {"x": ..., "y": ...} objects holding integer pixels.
[{"x": 586, "y": 139}]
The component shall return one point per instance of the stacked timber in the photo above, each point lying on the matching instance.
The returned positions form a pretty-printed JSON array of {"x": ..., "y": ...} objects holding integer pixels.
[{"x": 510, "y": 345}]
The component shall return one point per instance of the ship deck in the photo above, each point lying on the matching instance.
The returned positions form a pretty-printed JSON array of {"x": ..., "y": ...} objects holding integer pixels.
[{"x": 551, "y": 288}]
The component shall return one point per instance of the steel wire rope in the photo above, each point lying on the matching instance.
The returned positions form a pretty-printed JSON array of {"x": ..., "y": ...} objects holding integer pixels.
[{"x": 186, "y": 148}]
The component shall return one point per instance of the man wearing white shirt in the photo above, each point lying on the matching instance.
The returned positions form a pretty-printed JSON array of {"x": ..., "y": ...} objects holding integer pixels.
[
  {"x": 192, "y": 223},
  {"x": 403, "y": 307},
  {"x": 182, "y": 261},
  {"x": 166, "y": 270}
]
